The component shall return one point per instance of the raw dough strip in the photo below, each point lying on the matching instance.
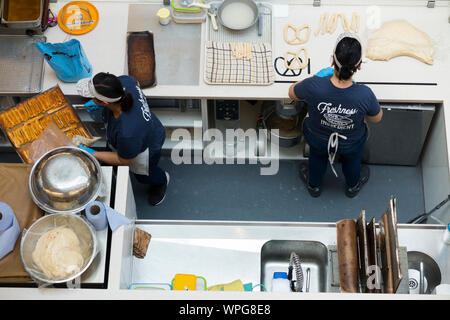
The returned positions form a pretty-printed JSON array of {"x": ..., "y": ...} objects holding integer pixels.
[
  {"x": 320, "y": 25},
  {"x": 344, "y": 22},
  {"x": 354, "y": 26},
  {"x": 241, "y": 50},
  {"x": 332, "y": 23},
  {"x": 324, "y": 24},
  {"x": 296, "y": 60},
  {"x": 298, "y": 39}
]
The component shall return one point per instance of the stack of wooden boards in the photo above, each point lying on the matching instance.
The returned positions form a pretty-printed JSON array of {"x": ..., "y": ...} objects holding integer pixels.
[
  {"x": 26, "y": 121},
  {"x": 358, "y": 246}
]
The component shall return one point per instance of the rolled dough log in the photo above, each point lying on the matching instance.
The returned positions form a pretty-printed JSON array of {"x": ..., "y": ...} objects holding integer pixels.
[{"x": 400, "y": 38}]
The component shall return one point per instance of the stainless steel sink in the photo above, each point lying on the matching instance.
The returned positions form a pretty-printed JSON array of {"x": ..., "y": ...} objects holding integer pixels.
[
  {"x": 177, "y": 46},
  {"x": 431, "y": 272},
  {"x": 275, "y": 256}
]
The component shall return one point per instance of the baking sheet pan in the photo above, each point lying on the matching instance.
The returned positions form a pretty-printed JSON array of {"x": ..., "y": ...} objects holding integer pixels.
[{"x": 23, "y": 64}]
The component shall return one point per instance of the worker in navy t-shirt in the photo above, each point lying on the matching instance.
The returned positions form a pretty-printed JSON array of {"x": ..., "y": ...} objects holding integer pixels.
[
  {"x": 335, "y": 124},
  {"x": 134, "y": 133}
]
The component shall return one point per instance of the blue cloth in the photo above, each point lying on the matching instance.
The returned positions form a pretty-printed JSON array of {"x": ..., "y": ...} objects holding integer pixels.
[
  {"x": 9, "y": 230},
  {"x": 137, "y": 129},
  {"x": 350, "y": 157},
  {"x": 67, "y": 59},
  {"x": 89, "y": 150},
  {"x": 325, "y": 72},
  {"x": 332, "y": 109}
]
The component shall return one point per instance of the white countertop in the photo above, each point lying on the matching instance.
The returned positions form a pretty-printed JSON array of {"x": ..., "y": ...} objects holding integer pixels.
[{"x": 105, "y": 47}]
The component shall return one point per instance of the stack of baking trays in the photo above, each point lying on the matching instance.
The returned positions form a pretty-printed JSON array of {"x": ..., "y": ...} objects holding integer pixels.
[{"x": 26, "y": 121}]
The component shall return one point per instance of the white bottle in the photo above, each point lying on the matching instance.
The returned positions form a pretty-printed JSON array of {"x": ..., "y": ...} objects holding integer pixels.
[
  {"x": 280, "y": 282},
  {"x": 446, "y": 238}
]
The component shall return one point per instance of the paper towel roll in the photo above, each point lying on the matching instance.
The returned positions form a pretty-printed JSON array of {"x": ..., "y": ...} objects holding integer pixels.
[
  {"x": 9, "y": 231},
  {"x": 6, "y": 216},
  {"x": 96, "y": 214}
]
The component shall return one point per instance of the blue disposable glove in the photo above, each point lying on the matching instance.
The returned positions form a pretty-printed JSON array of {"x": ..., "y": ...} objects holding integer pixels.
[
  {"x": 91, "y": 151},
  {"x": 91, "y": 106},
  {"x": 325, "y": 72}
]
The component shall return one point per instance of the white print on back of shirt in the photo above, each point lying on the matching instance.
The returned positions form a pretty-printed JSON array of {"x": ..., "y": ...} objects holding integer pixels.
[
  {"x": 144, "y": 105},
  {"x": 336, "y": 117}
]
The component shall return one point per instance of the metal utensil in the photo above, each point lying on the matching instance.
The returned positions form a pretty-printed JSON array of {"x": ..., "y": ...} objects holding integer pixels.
[
  {"x": 422, "y": 280},
  {"x": 65, "y": 180},
  {"x": 212, "y": 12},
  {"x": 308, "y": 279},
  {"x": 260, "y": 20}
]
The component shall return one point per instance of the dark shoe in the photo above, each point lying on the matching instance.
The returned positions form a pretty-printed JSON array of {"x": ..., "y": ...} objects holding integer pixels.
[
  {"x": 313, "y": 191},
  {"x": 365, "y": 174},
  {"x": 158, "y": 193}
]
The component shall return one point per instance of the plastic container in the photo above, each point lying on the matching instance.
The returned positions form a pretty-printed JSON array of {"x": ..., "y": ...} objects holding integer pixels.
[
  {"x": 446, "y": 238},
  {"x": 164, "y": 16},
  {"x": 280, "y": 282}
]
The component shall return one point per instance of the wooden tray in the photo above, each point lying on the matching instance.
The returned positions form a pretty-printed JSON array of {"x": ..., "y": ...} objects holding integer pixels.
[
  {"x": 25, "y": 122},
  {"x": 141, "y": 58}
]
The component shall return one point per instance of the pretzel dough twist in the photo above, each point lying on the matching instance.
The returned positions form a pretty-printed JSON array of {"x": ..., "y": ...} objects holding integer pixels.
[
  {"x": 296, "y": 64},
  {"x": 298, "y": 39}
]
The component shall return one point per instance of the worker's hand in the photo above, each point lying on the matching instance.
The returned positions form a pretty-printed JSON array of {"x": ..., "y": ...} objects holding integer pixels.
[
  {"x": 325, "y": 72},
  {"x": 91, "y": 106},
  {"x": 91, "y": 151}
]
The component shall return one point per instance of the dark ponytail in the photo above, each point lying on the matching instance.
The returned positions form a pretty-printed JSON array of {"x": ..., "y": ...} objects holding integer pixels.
[
  {"x": 346, "y": 72},
  {"x": 348, "y": 53},
  {"x": 126, "y": 102},
  {"x": 110, "y": 86}
]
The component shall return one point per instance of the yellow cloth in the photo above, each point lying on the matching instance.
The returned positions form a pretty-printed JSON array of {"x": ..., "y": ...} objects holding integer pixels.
[{"x": 236, "y": 285}]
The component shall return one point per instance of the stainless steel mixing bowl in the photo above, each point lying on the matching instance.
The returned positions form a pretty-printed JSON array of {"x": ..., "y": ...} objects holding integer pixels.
[
  {"x": 84, "y": 231},
  {"x": 65, "y": 180}
]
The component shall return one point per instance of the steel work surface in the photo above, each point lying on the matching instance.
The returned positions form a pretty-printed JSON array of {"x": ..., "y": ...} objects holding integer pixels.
[{"x": 177, "y": 46}]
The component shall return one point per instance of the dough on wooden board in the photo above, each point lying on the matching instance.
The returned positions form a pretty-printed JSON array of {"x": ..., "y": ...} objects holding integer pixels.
[
  {"x": 400, "y": 38},
  {"x": 58, "y": 253}
]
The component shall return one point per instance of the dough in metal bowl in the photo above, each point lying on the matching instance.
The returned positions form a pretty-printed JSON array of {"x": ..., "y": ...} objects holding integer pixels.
[{"x": 58, "y": 253}]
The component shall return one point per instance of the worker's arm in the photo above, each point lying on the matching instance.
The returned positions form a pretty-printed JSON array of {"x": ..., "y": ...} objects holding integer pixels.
[
  {"x": 112, "y": 158},
  {"x": 292, "y": 94},
  {"x": 376, "y": 118}
]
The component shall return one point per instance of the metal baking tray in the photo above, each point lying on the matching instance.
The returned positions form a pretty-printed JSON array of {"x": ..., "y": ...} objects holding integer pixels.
[{"x": 21, "y": 64}]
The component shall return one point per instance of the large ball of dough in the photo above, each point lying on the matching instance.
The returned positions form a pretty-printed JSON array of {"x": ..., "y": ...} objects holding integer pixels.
[
  {"x": 58, "y": 253},
  {"x": 400, "y": 38}
]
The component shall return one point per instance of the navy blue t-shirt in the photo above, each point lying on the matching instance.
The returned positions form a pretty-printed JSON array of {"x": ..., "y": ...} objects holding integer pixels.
[
  {"x": 137, "y": 129},
  {"x": 332, "y": 109}
]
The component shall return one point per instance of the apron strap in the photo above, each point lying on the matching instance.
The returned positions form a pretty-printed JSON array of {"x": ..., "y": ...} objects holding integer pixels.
[{"x": 333, "y": 142}]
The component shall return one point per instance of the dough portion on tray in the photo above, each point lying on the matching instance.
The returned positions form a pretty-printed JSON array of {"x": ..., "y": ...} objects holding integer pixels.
[{"x": 400, "y": 38}]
